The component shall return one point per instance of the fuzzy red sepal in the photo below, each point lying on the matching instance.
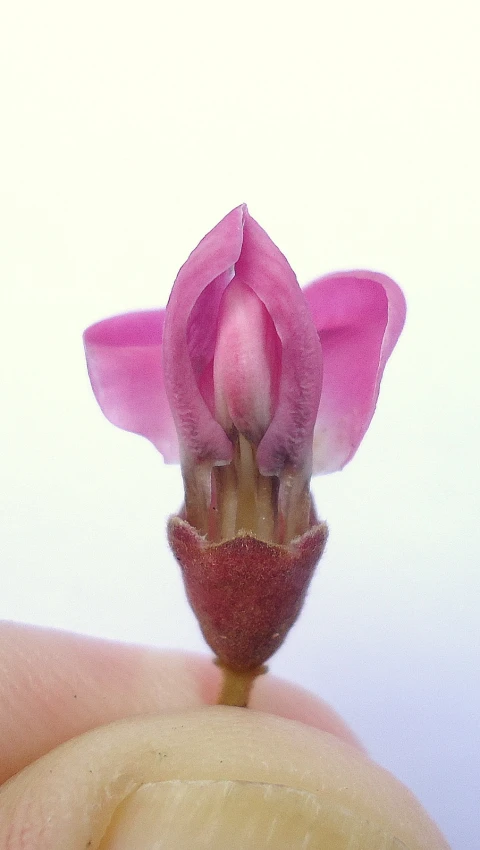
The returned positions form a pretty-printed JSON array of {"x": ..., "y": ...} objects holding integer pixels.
[{"x": 246, "y": 593}]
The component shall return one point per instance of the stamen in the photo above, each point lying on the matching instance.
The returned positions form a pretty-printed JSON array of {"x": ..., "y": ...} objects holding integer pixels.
[
  {"x": 294, "y": 504},
  {"x": 244, "y": 500},
  {"x": 267, "y": 494},
  {"x": 246, "y": 470},
  {"x": 226, "y": 484},
  {"x": 223, "y": 501},
  {"x": 196, "y": 480}
]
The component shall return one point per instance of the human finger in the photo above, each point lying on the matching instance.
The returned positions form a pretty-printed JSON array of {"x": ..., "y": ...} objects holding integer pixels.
[
  {"x": 56, "y": 685},
  {"x": 215, "y": 777}
]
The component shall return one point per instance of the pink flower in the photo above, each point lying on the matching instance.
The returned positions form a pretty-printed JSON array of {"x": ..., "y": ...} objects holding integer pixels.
[{"x": 260, "y": 384}]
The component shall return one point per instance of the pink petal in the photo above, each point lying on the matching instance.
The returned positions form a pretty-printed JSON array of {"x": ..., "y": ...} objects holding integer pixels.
[
  {"x": 246, "y": 363},
  {"x": 124, "y": 362},
  {"x": 264, "y": 268},
  {"x": 190, "y": 334},
  {"x": 359, "y": 316}
]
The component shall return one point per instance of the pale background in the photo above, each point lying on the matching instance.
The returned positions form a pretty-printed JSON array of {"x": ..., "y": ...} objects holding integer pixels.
[{"x": 352, "y": 130}]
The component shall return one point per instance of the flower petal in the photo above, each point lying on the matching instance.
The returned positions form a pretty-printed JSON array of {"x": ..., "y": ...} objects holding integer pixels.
[
  {"x": 246, "y": 364},
  {"x": 359, "y": 316},
  {"x": 124, "y": 359},
  {"x": 265, "y": 269},
  {"x": 189, "y": 338}
]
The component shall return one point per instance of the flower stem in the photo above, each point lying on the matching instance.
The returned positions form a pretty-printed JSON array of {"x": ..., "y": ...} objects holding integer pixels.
[{"x": 237, "y": 685}]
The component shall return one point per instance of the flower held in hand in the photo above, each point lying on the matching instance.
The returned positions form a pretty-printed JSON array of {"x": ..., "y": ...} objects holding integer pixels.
[{"x": 252, "y": 384}]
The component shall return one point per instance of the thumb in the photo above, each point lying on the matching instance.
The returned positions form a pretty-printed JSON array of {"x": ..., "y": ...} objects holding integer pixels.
[{"x": 212, "y": 778}]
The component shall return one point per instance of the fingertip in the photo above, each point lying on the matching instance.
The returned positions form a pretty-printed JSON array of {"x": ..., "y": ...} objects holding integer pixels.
[
  {"x": 78, "y": 793},
  {"x": 56, "y": 685}
]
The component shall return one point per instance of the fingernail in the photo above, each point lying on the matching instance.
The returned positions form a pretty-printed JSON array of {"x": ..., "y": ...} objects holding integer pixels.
[{"x": 179, "y": 814}]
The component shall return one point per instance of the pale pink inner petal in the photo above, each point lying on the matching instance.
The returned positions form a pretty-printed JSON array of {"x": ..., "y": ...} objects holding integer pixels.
[
  {"x": 245, "y": 364},
  {"x": 358, "y": 316},
  {"x": 263, "y": 267},
  {"x": 124, "y": 360}
]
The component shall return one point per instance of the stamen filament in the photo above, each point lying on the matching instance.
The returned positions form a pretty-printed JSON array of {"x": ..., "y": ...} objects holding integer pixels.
[
  {"x": 225, "y": 481},
  {"x": 246, "y": 507},
  {"x": 245, "y": 501}
]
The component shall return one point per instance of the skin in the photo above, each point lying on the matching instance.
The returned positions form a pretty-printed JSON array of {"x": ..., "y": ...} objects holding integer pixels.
[{"x": 149, "y": 758}]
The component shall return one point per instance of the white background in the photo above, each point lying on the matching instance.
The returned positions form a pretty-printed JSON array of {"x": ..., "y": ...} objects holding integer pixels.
[{"x": 352, "y": 130}]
